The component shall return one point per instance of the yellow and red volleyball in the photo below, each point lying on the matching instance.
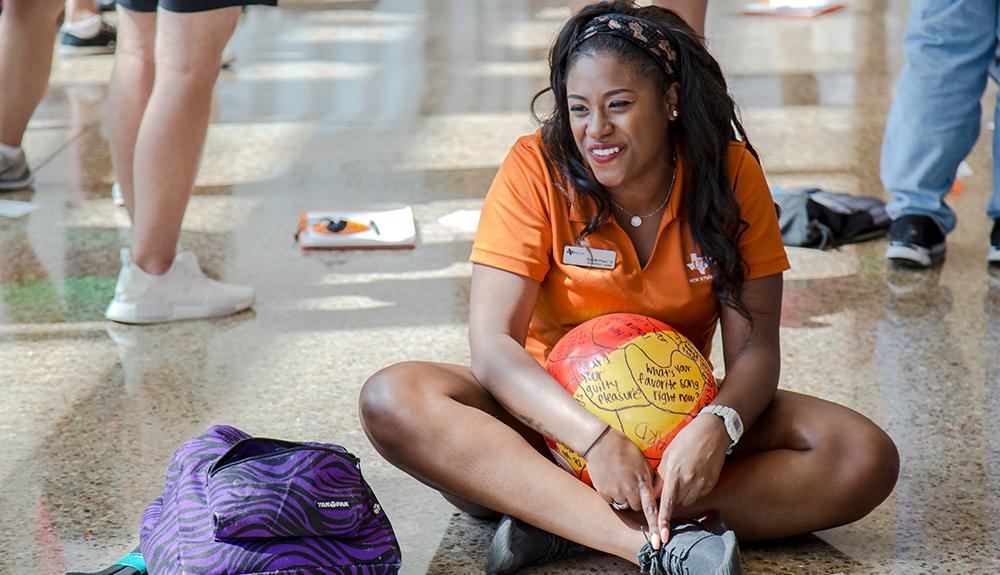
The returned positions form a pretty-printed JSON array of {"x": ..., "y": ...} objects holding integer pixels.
[{"x": 637, "y": 374}]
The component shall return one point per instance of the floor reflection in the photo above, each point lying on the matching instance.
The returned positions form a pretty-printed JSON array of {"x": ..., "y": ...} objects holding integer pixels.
[
  {"x": 991, "y": 403},
  {"x": 936, "y": 416},
  {"x": 103, "y": 460},
  {"x": 28, "y": 293},
  {"x": 90, "y": 171}
]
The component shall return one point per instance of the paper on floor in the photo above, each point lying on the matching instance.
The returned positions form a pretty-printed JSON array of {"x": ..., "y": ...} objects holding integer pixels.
[
  {"x": 465, "y": 220},
  {"x": 13, "y": 209}
]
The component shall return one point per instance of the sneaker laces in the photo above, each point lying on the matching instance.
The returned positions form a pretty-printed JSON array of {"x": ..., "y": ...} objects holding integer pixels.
[
  {"x": 675, "y": 565},
  {"x": 654, "y": 562},
  {"x": 669, "y": 559}
]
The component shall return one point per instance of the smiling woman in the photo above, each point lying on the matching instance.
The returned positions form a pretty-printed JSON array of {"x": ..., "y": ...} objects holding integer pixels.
[
  {"x": 644, "y": 167},
  {"x": 622, "y": 130}
]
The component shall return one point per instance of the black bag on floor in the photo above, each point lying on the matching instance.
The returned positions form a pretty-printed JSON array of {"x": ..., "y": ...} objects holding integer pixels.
[{"x": 812, "y": 218}]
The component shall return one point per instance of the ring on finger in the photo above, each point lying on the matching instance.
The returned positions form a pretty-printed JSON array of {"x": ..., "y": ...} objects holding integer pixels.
[{"x": 619, "y": 506}]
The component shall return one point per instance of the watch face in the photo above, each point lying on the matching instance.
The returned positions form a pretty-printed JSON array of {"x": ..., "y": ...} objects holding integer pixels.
[{"x": 734, "y": 425}]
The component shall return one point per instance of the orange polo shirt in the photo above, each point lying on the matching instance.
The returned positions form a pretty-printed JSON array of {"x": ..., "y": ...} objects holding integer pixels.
[{"x": 526, "y": 224}]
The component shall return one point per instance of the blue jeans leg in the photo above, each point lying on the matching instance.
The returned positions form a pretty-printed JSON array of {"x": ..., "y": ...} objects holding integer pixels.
[
  {"x": 934, "y": 120},
  {"x": 993, "y": 207}
]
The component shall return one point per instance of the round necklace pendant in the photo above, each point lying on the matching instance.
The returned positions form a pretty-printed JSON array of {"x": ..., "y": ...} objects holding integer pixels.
[{"x": 636, "y": 221}]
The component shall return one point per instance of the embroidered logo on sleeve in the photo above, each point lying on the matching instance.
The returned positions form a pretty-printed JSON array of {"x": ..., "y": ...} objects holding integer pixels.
[{"x": 700, "y": 265}]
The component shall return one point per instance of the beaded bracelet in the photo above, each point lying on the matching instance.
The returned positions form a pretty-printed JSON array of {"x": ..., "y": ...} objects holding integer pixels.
[{"x": 606, "y": 429}]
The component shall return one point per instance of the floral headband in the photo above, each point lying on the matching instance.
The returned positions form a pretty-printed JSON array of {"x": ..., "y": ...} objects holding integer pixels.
[{"x": 649, "y": 36}]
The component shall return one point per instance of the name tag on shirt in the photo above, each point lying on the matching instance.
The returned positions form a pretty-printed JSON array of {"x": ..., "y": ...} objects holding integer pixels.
[{"x": 589, "y": 258}]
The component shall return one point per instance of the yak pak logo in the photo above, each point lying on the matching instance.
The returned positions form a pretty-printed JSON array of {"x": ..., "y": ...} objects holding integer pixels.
[
  {"x": 700, "y": 265},
  {"x": 333, "y": 504}
]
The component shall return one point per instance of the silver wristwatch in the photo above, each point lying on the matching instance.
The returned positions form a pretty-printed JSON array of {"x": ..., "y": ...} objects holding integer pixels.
[{"x": 734, "y": 425}]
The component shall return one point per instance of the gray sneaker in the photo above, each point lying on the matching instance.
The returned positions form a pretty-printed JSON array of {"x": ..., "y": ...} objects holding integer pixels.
[
  {"x": 700, "y": 546},
  {"x": 517, "y": 544},
  {"x": 14, "y": 173}
]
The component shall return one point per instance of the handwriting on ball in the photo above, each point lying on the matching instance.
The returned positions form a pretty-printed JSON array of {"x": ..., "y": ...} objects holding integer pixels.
[{"x": 632, "y": 379}]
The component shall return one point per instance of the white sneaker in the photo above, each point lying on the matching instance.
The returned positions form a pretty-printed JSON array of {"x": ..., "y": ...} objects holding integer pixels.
[
  {"x": 116, "y": 195},
  {"x": 993, "y": 256},
  {"x": 182, "y": 293}
]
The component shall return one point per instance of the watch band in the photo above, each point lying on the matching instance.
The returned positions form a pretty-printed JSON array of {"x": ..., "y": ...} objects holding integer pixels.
[{"x": 732, "y": 420}]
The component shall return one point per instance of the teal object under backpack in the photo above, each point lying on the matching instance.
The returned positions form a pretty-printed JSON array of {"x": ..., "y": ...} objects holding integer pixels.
[{"x": 131, "y": 564}]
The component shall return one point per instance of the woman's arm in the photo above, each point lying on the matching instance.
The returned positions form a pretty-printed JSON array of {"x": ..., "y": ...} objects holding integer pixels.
[
  {"x": 752, "y": 354},
  {"x": 502, "y": 306},
  {"x": 693, "y": 461}
]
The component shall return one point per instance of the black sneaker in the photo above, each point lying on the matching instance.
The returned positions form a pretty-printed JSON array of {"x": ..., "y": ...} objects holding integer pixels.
[
  {"x": 700, "y": 546},
  {"x": 103, "y": 43},
  {"x": 993, "y": 258},
  {"x": 915, "y": 242},
  {"x": 517, "y": 544}
]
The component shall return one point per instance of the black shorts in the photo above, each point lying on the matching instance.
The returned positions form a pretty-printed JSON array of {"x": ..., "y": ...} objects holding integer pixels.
[{"x": 188, "y": 5}]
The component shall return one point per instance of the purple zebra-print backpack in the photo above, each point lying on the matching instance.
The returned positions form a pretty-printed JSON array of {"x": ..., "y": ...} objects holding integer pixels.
[{"x": 240, "y": 505}]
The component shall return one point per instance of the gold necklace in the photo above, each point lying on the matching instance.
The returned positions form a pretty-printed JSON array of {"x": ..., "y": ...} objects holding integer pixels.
[{"x": 636, "y": 221}]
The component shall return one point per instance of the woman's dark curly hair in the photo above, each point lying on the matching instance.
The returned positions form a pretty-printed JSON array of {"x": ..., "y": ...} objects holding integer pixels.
[{"x": 708, "y": 123}]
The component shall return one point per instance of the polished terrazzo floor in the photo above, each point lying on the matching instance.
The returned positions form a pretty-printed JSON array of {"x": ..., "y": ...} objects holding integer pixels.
[{"x": 381, "y": 104}]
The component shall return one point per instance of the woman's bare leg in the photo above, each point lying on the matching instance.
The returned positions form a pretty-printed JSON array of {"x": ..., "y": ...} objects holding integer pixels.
[
  {"x": 174, "y": 125},
  {"x": 27, "y": 37},
  {"x": 79, "y": 10},
  {"x": 437, "y": 423},
  {"x": 131, "y": 84},
  {"x": 692, "y": 11},
  {"x": 806, "y": 464}
]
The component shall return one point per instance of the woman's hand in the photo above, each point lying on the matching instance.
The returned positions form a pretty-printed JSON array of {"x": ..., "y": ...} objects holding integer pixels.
[
  {"x": 621, "y": 473},
  {"x": 691, "y": 466}
]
